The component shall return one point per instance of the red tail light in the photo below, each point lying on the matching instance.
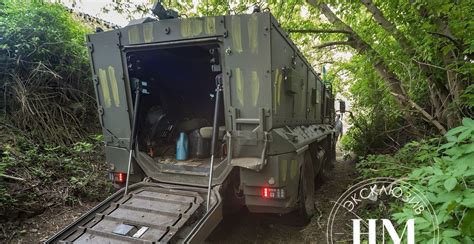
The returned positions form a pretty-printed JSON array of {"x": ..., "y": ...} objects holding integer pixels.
[
  {"x": 120, "y": 177},
  {"x": 265, "y": 192},
  {"x": 274, "y": 193}
]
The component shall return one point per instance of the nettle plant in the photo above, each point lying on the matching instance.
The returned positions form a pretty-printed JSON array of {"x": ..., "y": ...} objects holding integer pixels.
[{"x": 448, "y": 185}]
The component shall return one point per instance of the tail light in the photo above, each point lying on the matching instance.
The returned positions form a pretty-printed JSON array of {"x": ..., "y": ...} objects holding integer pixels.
[
  {"x": 273, "y": 193},
  {"x": 119, "y": 177}
]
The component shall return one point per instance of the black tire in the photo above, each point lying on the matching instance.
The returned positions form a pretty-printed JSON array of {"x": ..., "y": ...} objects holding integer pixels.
[{"x": 306, "y": 208}]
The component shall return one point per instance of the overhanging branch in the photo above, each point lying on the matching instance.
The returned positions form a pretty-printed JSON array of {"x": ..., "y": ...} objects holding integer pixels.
[
  {"x": 391, "y": 79},
  {"x": 318, "y": 31},
  {"x": 450, "y": 38},
  {"x": 329, "y": 44}
]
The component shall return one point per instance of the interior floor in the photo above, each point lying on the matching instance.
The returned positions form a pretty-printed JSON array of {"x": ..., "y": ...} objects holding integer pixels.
[{"x": 194, "y": 162}]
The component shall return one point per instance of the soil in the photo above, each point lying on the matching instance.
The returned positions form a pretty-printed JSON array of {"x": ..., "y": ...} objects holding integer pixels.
[
  {"x": 40, "y": 227},
  {"x": 242, "y": 227}
]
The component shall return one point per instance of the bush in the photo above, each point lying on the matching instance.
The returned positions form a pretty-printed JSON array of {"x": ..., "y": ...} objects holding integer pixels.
[
  {"x": 45, "y": 72},
  {"x": 39, "y": 177},
  {"x": 413, "y": 155},
  {"x": 444, "y": 173}
]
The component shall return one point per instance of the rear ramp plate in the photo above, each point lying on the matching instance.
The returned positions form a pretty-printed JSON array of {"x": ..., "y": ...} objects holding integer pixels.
[{"x": 148, "y": 214}]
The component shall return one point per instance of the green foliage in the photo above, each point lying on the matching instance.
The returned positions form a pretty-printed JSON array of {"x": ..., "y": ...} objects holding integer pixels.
[
  {"x": 39, "y": 32},
  {"x": 45, "y": 70},
  {"x": 438, "y": 41},
  {"x": 48, "y": 176},
  {"x": 405, "y": 160},
  {"x": 444, "y": 173}
]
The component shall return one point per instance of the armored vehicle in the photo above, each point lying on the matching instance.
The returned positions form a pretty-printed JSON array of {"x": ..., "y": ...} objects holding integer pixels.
[{"x": 232, "y": 98}]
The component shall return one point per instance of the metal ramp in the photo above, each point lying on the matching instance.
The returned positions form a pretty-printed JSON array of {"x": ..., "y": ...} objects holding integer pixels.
[{"x": 150, "y": 213}]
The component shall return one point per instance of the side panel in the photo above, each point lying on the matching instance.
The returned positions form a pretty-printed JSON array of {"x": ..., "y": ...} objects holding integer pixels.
[
  {"x": 293, "y": 80},
  {"x": 111, "y": 91},
  {"x": 283, "y": 98},
  {"x": 247, "y": 69}
]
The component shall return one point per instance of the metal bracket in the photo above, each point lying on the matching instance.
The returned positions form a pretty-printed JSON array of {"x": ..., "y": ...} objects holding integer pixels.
[
  {"x": 95, "y": 78},
  {"x": 90, "y": 46}
]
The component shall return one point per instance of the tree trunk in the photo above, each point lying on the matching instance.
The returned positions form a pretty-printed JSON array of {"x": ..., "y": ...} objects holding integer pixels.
[
  {"x": 455, "y": 84},
  {"x": 438, "y": 92},
  {"x": 380, "y": 66}
]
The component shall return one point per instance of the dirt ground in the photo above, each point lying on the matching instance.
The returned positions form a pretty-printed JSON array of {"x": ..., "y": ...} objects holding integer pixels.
[
  {"x": 40, "y": 227},
  {"x": 242, "y": 227},
  {"x": 245, "y": 227}
]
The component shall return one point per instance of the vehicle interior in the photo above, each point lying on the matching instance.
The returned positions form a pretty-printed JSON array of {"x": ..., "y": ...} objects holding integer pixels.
[{"x": 180, "y": 99}]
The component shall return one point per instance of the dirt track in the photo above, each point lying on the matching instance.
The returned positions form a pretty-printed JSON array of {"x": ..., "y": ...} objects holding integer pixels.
[{"x": 242, "y": 227}]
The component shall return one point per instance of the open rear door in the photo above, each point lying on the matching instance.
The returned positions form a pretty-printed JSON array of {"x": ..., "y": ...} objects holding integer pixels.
[{"x": 111, "y": 90}]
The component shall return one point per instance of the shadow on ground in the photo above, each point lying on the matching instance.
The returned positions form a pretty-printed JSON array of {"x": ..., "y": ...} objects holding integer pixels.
[{"x": 245, "y": 227}]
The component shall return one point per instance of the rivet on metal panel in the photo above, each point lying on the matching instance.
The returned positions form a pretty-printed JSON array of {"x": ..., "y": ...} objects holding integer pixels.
[
  {"x": 95, "y": 78},
  {"x": 91, "y": 47},
  {"x": 100, "y": 110},
  {"x": 167, "y": 30},
  {"x": 226, "y": 33},
  {"x": 293, "y": 61},
  {"x": 228, "y": 51},
  {"x": 229, "y": 73}
]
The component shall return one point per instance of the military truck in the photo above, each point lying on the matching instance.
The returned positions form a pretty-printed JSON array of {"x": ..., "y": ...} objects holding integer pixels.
[{"x": 258, "y": 118}]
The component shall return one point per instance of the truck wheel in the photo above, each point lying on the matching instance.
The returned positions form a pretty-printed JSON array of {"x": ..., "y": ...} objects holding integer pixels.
[{"x": 306, "y": 207}]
